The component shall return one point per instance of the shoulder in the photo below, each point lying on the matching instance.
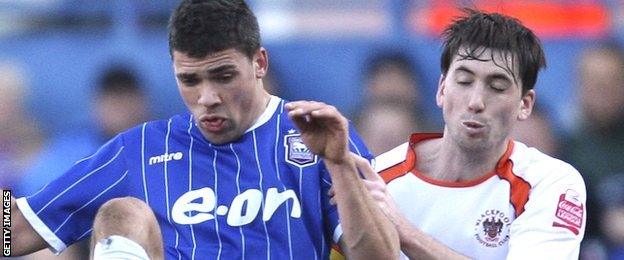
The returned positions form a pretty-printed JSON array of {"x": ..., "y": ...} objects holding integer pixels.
[
  {"x": 540, "y": 169},
  {"x": 391, "y": 158}
]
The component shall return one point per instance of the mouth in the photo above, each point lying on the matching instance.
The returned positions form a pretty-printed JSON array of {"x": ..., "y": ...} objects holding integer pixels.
[
  {"x": 473, "y": 124},
  {"x": 212, "y": 123},
  {"x": 474, "y": 128}
]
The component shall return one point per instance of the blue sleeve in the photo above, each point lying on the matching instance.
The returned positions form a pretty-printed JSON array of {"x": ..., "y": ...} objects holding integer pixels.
[
  {"x": 357, "y": 146},
  {"x": 63, "y": 211}
]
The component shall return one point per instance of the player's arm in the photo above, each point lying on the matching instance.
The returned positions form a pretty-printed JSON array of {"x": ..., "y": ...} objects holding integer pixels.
[
  {"x": 367, "y": 233},
  {"x": 418, "y": 245},
  {"x": 553, "y": 222},
  {"x": 24, "y": 239},
  {"x": 414, "y": 243}
]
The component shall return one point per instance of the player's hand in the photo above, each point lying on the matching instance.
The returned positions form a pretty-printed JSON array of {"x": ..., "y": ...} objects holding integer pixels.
[{"x": 323, "y": 129}]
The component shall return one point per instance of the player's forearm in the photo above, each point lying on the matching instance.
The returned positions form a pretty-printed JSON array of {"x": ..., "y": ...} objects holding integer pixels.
[
  {"x": 418, "y": 245},
  {"x": 367, "y": 233},
  {"x": 24, "y": 239}
]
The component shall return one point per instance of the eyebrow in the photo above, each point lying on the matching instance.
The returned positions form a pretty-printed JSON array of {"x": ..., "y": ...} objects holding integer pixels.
[
  {"x": 501, "y": 76},
  {"x": 496, "y": 75},
  {"x": 186, "y": 75},
  {"x": 464, "y": 69},
  {"x": 212, "y": 71},
  {"x": 221, "y": 69}
]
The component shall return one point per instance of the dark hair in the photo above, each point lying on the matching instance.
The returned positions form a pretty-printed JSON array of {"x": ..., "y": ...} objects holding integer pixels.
[
  {"x": 202, "y": 27},
  {"x": 478, "y": 30},
  {"x": 391, "y": 58},
  {"x": 118, "y": 79}
]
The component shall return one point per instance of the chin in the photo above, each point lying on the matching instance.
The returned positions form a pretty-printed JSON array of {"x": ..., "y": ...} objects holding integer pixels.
[{"x": 474, "y": 144}]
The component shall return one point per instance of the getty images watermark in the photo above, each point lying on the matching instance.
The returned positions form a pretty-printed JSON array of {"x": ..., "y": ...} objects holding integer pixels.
[{"x": 6, "y": 222}]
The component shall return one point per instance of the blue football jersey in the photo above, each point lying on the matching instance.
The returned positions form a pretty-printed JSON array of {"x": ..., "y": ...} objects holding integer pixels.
[{"x": 263, "y": 196}]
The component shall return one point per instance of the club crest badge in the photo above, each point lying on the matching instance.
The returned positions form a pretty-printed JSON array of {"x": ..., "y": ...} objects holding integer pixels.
[
  {"x": 297, "y": 153},
  {"x": 569, "y": 213},
  {"x": 492, "y": 228}
]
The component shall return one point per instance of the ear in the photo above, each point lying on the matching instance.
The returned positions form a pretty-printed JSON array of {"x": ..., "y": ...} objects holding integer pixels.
[
  {"x": 261, "y": 62},
  {"x": 440, "y": 92},
  {"x": 526, "y": 105}
]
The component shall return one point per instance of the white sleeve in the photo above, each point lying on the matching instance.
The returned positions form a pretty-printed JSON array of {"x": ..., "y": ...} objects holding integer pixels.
[{"x": 553, "y": 222}]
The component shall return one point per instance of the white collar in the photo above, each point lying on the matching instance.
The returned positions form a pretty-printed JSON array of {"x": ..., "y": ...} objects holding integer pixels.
[{"x": 267, "y": 114}]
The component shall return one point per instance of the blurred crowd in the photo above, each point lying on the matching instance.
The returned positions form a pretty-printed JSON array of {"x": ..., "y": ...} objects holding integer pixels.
[{"x": 392, "y": 107}]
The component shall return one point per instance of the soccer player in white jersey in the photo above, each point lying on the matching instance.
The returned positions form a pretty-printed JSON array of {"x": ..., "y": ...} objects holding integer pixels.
[
  {"x": 472, "y": 191},
  {"x": 232, "y": 179}
]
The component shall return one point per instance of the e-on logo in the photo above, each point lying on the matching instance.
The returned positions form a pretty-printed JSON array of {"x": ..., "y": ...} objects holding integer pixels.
[{"x": 243, "y": 210}]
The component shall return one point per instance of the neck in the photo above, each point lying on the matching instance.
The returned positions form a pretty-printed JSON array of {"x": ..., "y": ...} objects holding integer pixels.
[
  {"x": 455, "y": 163},
  {"x": 260, "y": 105}
]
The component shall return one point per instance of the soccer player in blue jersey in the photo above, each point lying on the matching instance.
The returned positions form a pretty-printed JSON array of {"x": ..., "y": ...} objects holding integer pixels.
[{"x": 232, "y": 179}]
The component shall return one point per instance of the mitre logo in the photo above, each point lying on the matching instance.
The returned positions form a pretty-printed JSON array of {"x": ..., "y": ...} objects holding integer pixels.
[
  {"x": 492, "y": 228},
  {"x": 165, "y": 158}
]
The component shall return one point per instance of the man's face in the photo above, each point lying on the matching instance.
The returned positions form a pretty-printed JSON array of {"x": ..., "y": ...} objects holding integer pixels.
[
  {"x": 223, "y": 91},
  {"x": 481, "y": 101},
  {"x": 602, "y": 86},
  {"x": 118, "y": 111}
]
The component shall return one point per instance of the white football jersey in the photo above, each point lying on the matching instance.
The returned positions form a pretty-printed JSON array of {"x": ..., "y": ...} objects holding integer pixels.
[{"x": 531, "y": 206}]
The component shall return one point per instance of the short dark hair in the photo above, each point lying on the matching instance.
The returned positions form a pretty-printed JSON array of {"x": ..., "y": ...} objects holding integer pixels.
[
  {"x": 397, "y": 59},
  {"x": 118, "y": 79},
  {"x": 202, "y": 27},
  {"x": 477, "y": 30}
]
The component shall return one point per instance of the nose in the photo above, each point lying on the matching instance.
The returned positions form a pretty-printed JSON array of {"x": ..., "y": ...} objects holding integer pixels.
[
  {"x": 208, "y": 97},
  {"x": 476, "y": 102}
]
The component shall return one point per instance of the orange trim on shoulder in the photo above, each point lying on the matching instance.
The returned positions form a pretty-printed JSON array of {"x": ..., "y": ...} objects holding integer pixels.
[
  {"x": 393, "y": 172},
  {"x": 519, "y": 188},
  {"x": 419, "y": 137},
  {"x": 409, "y": 164},
  {"x": 454, "y": 184}
]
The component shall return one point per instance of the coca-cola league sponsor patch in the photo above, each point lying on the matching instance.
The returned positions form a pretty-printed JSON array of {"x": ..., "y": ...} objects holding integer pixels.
[{"x": 569, "y": 213}]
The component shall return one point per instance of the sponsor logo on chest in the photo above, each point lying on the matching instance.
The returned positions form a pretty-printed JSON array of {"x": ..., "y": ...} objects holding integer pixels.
[
  {"x": 197, "y": 206},
  {"x": 492, "y": 228}
]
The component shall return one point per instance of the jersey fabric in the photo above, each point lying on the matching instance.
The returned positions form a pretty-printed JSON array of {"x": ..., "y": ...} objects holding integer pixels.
[
  {"x": 531, "y": 206},
  {"x": 260, "y": 197}
]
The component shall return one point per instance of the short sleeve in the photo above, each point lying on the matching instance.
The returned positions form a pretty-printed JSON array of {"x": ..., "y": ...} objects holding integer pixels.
[
  {"x": 62, "y": 212},
  {"x": 553, "y": 223}
]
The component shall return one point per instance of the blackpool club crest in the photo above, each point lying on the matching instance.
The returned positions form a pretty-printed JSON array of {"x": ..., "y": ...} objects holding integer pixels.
[
  {"x": 492, "y": 228},
  {"x": 297, "y": 153}
]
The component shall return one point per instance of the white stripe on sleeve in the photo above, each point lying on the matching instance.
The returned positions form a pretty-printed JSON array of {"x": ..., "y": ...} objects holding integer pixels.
[
  {"x": 81, "y": 179},
  {"x": 87, "y": 204},
  {"x": 56, "y": 244},
  {"x": 143, "y": 163}
]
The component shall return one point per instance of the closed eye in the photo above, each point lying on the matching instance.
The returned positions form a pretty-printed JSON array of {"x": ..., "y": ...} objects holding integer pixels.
[{"x": 499, "y": 86}]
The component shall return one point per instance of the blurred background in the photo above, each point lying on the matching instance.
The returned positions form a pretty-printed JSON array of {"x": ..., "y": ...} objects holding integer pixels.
[{"x": 73, "y": 73}]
